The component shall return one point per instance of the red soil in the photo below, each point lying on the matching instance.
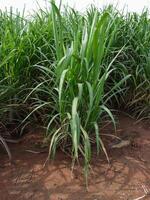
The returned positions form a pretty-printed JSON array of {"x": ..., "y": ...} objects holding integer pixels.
[{"x": 122, "y": 180}]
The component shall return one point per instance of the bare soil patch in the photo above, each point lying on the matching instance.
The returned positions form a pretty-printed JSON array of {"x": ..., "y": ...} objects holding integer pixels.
[{"x": 128, "y": 172}]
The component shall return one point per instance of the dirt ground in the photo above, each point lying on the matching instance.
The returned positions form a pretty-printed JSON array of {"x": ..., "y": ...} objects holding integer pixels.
[{"x": 124, "y": 179}]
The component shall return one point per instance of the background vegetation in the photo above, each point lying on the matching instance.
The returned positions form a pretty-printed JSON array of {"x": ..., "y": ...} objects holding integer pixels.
[{"x": 66, "y": 71}]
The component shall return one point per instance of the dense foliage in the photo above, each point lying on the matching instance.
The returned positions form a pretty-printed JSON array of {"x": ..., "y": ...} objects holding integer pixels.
[{"x": 66, "y": 71}]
